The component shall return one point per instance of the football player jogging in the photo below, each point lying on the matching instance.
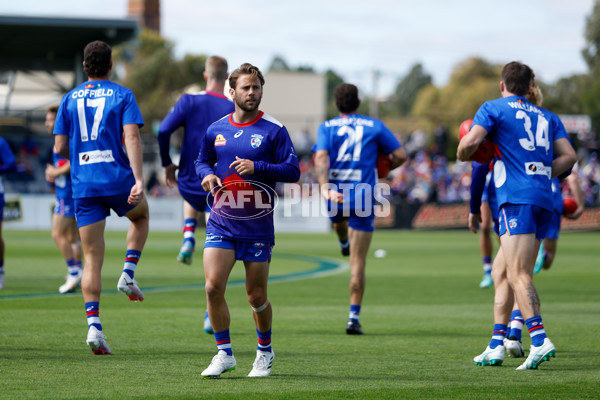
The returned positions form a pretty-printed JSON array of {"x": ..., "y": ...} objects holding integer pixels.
[
  {"x": 345, "y": 161},
  {"x": 194, "y": 112},
  {"x": 242, "y": 157},
  {"x": 7, "y": 164},
  {"x": 64, "y": 227},
  {"x": 525, "y": 138},
  {"x": 93, "y": 122}
]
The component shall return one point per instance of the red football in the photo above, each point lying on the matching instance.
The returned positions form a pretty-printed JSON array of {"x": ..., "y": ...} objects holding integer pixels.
[
  {"x": 485, "y": 152},
  {"x": 384, "y": 165},
  {"x": 569, "y": 205},
  {"x": 465, "y": 127}
]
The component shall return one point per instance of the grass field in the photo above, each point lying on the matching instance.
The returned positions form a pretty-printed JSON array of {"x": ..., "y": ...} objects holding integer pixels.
[{"x": 423, "y": 314}]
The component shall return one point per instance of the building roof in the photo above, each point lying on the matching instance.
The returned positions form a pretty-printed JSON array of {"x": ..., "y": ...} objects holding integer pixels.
[{"x": 55, "y": 44}]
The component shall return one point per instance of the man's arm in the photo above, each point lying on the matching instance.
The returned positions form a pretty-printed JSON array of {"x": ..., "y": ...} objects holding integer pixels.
[
  {"x": 61, "y": 143},
  {"x": 133, "y": 144},
  {"x": 398, "y": 157},
  {"x": 573, "y": 182},
  {"x": 322, "y": 170},
  {"x": 566, "y": 157},
  {"x": 470, "y": 142}
]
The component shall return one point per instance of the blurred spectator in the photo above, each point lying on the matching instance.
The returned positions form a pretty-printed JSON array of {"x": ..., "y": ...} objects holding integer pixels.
[{"x": 440, "y": 140}]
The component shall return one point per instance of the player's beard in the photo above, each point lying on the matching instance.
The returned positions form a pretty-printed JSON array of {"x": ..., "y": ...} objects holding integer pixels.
[{"x": 248, "y": 108}]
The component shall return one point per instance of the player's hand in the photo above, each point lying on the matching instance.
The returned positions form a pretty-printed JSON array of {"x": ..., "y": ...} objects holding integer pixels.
[
  {"x": 333, "y": 196},
  {"x": 136, "y": 194},
  {"x": 474, "y": 222},
  {"x": 170, "y": 175},
  {"x": 242, "y": 166},
  {"x": 576, "y": 214},
  {"x": 50, "y": 173},
  {"x": 210, "y": 183}
]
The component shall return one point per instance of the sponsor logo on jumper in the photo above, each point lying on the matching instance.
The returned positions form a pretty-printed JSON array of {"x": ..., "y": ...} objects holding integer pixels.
[
  {"x": 96, "y": 156},
  {"x": 220, "y": 140},
  {"x": 538, "y": 168},
  {"x": 238, "y": 134}
]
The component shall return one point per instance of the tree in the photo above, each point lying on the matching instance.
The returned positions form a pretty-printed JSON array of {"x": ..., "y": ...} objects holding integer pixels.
[
  {"x": 472, "y": 82},
  {"x": 155, "y": 76},
  {"x": 591, "y": 52},
  {"x": 409, "y": 87},
  {"x": 279, "y": 64},
  {"x": 590, "y": 95}
]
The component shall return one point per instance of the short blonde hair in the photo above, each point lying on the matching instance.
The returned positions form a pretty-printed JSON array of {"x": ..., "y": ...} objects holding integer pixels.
[{"x": 216, "y": 68}]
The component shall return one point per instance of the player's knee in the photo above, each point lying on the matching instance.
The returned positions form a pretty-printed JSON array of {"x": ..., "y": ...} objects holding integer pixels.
[
  {"x": 256, "y": 297},
  {"x": 214, "y": 290}
]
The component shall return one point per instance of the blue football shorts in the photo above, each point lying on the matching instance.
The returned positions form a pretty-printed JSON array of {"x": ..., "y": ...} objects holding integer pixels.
[
  {"x": 200, "y": 202},
  {"x": 364, "y": 221},
  {"x": 244, "y": 251},
  {"x": 65, "y": 207},
  {"x": 89, "y": 210},
  {"x": 554, "y": 227},
  {"x": 518, "y": 219}
]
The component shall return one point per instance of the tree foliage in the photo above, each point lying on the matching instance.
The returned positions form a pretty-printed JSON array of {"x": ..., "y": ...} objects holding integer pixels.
[
  {"x": 409, "y": 87},
  {"x": 472, "y": 82},
  {"x": 154, "y": 75},
  {"x": 591, "y": 51}
]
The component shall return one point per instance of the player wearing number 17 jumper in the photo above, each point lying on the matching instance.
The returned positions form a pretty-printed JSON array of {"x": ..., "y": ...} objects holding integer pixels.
[
  {"x": 525, "y": 138},
  {"x": 93, "y": 123}
]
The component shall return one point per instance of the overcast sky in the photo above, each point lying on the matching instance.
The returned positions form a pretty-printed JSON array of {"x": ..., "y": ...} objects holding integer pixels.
[{"x": 355, "y": 39}]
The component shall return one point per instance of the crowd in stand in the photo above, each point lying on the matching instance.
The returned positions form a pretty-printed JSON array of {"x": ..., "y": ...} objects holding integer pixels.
[{"x": 426, "y": 177}]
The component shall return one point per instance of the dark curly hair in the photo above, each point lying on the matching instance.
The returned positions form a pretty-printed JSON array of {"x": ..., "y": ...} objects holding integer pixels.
[
  {"x": 97, "y": 56},
  {"x": 346, "y": 98}
]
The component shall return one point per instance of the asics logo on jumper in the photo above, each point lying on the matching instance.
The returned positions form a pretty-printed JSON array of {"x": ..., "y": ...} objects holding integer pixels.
[{"x": 238, "y": 134}]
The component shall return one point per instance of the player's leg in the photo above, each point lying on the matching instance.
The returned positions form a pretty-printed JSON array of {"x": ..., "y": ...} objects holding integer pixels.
[
  {"x": 521, "y": 229},
  {"x": 75, "y": 242},
  {"x": 92, "y": 238},
  {"x": 512, "y": 342},
  {"x": 550, "y": 246},
  {"x": 360, "y": 241},
  {"x": 218, "y": 263},
  {"x": 190, "y": 216},
  {"x": 257, "y": 275},
  {"x": 503, "y": 299},
  {"x": 341, "y": 230},
  {"x": 61, "y": 234},
  {"x": 136, "y": 239},
  {"x": 485, "y": 244}
]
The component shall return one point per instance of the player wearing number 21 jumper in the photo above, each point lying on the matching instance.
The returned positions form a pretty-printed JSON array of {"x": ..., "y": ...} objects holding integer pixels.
[
  {"x": 525, "y": 138},
  {"x": 346, "y": 156},
  {"x": 93, "y": 123}
]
